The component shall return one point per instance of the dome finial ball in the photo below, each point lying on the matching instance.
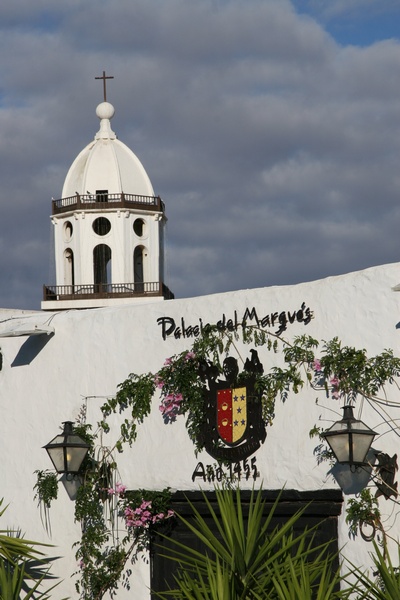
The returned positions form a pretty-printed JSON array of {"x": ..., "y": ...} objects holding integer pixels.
[{"x": 105, "y": 110}]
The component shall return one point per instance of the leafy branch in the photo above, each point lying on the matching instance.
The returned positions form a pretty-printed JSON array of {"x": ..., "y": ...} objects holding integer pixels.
[{"x": 343, "y": 372}]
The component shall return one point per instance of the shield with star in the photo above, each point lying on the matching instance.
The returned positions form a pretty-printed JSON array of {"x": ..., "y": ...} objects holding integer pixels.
[
  {"x": 232, "y": 414},
  {"x": 232, "y": 427}
]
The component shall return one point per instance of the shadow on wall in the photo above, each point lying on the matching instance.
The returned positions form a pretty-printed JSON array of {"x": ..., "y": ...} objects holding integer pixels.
[
  {"x": 352, "y": 482},
  {"x": 30, "y": 349}
]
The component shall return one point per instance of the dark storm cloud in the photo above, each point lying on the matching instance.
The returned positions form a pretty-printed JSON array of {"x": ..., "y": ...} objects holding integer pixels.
[{"x": 275, "y": 149}]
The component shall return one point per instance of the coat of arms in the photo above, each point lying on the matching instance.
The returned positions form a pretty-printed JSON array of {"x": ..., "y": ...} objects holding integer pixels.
[{"x": 233, "y": 427}]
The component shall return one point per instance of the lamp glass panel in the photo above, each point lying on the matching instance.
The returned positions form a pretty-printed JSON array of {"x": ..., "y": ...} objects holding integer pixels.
[
  {"x": 360, "y": 425},
  {"x": 361, "y": 445},
  {"x": 340, "y": 446},
  {"x": 74, "y": 439},
  {"x": 75, "y": 457},
  {"x": 57, "y": 458}
]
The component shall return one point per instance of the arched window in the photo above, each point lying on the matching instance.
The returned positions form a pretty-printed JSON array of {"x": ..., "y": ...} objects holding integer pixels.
[
  {"x": 101, "y": 265},
  {"x": 68, "y": 231},
  {"x": 139, "y": 227},
  {"x": 139, "y": 268},
  {"x": 69, "y": 275},
  {"x": 138, "y": 264}
]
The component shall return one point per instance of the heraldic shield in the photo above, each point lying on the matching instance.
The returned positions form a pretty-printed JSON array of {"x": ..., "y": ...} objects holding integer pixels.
[
  {"x": 232, "y": 414},
  {"x": 234, "y": 428}
]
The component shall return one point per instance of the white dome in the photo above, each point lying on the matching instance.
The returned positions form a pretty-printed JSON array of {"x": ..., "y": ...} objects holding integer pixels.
[{"x": 107, "y": 164}]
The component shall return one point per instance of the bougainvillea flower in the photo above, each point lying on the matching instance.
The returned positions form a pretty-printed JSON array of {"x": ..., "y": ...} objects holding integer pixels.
[
  {"x": 335, "y": 388},
  {"x": 317, "y": 365},
  {"x": 170, "y": 406}
]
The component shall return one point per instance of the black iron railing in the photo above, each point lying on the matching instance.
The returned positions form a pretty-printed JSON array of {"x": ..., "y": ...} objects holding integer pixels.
[
  {"x": 104, "y": 201},
  {"x": 106, "y": 290}
]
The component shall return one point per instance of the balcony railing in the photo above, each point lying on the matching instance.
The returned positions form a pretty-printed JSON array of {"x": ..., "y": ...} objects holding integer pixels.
[
  {"x": 106, "y": 290},
  {"x": 104, "y": 201}
]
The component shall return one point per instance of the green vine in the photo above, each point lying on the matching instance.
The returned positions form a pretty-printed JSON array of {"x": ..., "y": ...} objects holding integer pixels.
[
  {"x": 46, "y": 487},
  {"x": 341, "y": 372},
  {"x": 101, "y": 505},
  {"x": 134, "y": 396},
  {"x": 102, "y": 556},
  {"x": 321, "y": 451},
  {"x": 46, "y": 490},
  {"x": 364, "y": 512}
]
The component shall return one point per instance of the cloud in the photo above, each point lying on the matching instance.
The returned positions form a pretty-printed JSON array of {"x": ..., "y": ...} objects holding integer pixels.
[
  {"x": 330, "y": 9},
  {"x": 275, "y": 148}
]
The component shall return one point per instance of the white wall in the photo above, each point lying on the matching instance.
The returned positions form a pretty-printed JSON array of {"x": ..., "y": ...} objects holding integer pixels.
[{"x": 44, "y": 381}]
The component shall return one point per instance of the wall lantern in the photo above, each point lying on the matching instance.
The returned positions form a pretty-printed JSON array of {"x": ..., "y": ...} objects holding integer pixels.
[
  {"x": 349, "y": 439},
  {"x": 67, "y": 450}
]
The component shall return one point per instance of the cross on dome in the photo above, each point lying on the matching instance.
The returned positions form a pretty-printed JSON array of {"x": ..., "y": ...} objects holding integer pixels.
[{"x": 104, "y": 77}]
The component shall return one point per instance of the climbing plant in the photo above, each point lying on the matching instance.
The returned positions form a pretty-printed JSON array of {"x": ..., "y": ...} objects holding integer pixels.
[
  {"x": 117, "y": 524},
  {"x": 341, "y": 372}
]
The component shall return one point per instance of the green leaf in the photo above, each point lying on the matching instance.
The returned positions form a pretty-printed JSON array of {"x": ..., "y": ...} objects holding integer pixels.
[{"x": 246, "y": 554}]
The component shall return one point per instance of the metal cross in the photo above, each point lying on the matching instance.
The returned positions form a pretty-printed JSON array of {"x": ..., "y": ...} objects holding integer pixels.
[{"x": 104, "y": 77}]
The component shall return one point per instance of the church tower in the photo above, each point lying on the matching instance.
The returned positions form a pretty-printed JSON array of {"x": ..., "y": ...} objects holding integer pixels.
[{"x": 108, "y": 228}]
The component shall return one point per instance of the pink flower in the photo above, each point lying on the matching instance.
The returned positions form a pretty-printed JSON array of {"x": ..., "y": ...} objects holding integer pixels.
[
  {"x": 317, "y": 365},
  {"x": 335, "y": 388},
  {"x": 158, "y": 382},
  {"x": 141, "y": 516},
  {"x": 190, "y": 355},
  {"x": 170, "y": 406},
  {"x": 120, "y": 488},
  {"x": 168, "y": 361}
]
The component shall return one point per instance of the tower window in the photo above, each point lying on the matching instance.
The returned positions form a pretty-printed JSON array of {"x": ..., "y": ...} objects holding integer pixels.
[
  {"x": 68, "y": 230},
  {"x": 139, "y": 227},
  {"x": 101, "y": 226},
  {"x": 102, "y": 264},
  {"x": 101, "y": 195},
  {"x": 69, "y": 271},
  {"x": 138, "y": 267}
]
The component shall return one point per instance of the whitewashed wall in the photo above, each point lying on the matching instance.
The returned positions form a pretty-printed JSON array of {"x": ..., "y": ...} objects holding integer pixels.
[{"x": 45, "y": 381}]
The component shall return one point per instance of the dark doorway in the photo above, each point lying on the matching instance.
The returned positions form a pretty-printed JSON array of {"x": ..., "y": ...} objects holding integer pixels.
[
  {"x": 138, "y": 269},
  {"x": 102, "y": 265},
  {"x": 101, "y": 195},
  {"x": 322, "y": 510}
]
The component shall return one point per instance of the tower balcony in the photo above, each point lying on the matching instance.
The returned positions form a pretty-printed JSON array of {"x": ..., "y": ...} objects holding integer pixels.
[
  {"x": 103, "y": 201},
  {"x": 106, "y": 290},
  {"x": 59, "y": 297}
]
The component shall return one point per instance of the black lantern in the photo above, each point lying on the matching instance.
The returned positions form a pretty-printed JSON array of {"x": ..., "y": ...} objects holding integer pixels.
[
  {"x": 67, "y": 450},
  {"x": 349, "y": 439}
]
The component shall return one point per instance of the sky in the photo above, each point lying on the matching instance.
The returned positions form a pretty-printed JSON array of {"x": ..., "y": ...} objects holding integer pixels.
[{"x": 270, "y": 128}]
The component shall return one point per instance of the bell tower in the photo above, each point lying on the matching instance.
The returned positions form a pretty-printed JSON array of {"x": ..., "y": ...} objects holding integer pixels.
[{"x": 108, "y": 228}]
